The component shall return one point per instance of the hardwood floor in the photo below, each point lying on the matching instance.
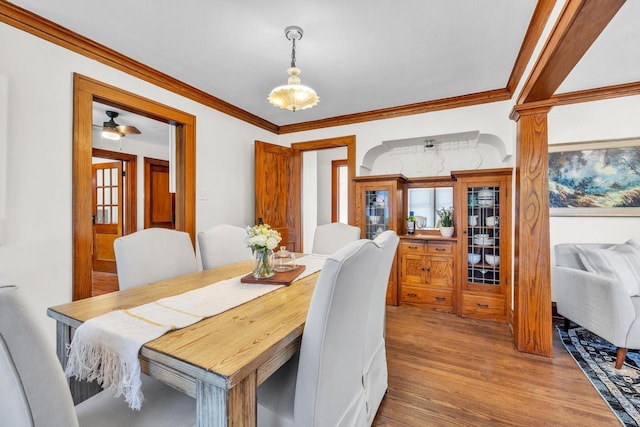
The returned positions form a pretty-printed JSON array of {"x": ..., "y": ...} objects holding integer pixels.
[
  {"x": 449, "y": 371},
  {"x": 103, "y": 283}
]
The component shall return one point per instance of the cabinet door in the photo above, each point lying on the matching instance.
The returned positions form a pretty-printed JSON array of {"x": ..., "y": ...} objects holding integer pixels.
[
  {"x": 483, "y": 239},
  {"x": 377, "y": 210},
  {"x": 439, "y": 272},
  {"x": 485, "y": 209},
  {"x": 413, "y": 269}
]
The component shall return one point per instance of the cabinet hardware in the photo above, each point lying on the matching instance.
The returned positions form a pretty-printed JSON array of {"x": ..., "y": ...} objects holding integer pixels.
[
  {"x": 412, "y": 295},
  {"x": 413, "y": 247},
  {"x": 482, "y": 305},
  {"x": 440, "y": 299},
  {"x": 440, "y": 249}
]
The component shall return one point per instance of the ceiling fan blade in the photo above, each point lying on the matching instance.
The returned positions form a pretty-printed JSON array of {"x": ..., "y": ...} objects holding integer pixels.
[{"x": 128, "y": 129}]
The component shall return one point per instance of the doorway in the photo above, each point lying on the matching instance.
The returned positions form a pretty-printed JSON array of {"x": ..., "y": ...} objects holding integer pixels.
[{"x": 86, "y": 92}]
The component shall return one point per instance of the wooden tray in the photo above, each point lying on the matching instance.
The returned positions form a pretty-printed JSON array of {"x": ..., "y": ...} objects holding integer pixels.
[{"x": 280, "y": 278}]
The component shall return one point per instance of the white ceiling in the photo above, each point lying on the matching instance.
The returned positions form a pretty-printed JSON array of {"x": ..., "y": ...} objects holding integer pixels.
[
  {"x": 152, "y": 131},
  {"x": 359, "y": 55}
]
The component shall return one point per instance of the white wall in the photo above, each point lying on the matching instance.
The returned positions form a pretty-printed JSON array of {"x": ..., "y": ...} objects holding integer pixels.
[
  {"x": 488, "y": 119},
  {"x": 37, "y": 247},
  {"x": 309, "y": 198},
  {"x": 325, "y": 157},
  {"x": 36, "y": 250},
  {"x": 609, "y": 119}
]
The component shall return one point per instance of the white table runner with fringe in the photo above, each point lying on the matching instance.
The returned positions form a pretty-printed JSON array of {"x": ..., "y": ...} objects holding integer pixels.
[{"x": 106, "y": 347}]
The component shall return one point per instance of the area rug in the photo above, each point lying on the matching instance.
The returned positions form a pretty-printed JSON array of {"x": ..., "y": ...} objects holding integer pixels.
[{"x": 596, "y": 357}]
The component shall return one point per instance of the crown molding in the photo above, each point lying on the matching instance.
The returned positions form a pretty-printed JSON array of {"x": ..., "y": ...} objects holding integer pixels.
[
  {"x": 538, "y": 22},
  {"x": 607, "y": 92},
  {"x": 403, "y": 110},
  {"x": 578, "y": 26},
  {"x": 38, "y": 26}
]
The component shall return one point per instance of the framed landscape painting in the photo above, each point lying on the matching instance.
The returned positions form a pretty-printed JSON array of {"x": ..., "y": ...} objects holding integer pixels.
[{"x": 600, "y": 178}]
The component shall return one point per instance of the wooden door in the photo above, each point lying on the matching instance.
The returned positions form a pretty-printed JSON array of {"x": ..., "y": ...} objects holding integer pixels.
[
  {"x": 107, "y": 214},
  {"x": 277, "y": 191},
  {"x": 159, "y": 206}
]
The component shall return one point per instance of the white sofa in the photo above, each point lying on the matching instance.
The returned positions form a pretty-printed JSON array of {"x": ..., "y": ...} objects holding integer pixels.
[{"x": 597, "y": 286}]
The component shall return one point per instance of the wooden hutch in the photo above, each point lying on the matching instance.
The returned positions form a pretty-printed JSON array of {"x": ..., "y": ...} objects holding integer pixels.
[{"x": 468, "y": 274}]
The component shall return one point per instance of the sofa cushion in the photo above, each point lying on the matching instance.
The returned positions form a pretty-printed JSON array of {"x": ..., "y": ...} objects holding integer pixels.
[{"x": 620, "y": 262}]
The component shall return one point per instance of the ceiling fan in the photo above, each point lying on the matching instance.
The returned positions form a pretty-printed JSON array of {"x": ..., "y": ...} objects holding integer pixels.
[{"x": 112, "y": 130}]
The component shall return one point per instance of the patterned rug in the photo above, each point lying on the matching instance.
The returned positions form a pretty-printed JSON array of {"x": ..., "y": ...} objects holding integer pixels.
[{"x": 596, "y": 357}]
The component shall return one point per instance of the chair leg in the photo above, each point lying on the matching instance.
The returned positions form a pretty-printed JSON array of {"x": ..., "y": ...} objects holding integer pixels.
[
  {"x": 567, "y": 323},
  {"x": 621, "y": 354}
]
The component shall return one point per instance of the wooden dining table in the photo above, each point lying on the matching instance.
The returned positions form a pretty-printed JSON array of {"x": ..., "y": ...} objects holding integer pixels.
[{"x": 221, "y": 360}]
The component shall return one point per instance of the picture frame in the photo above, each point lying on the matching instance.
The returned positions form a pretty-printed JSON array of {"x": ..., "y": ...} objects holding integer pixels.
[{"x": 596, "y": 178}]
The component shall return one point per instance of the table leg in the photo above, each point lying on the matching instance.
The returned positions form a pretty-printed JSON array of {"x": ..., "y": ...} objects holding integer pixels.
[
  {"x": 218, "y": 407},
  {"x": 80, "y": 390}
]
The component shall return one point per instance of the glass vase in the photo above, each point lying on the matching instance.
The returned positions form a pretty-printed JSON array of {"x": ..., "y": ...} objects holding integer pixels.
[{"x": 263, "y": 263}]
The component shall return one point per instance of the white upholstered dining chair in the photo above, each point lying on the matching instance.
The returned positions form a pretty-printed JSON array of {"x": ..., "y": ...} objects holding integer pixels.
[
  {"x": 323, "y": 384},
  {"x": 223, "y": 244},
  {"x": 153, "y": 254},
  {"x": 328, "y": 238},
  {"x": 375, "y": 353},
  {"x": 34, "y": 391}
]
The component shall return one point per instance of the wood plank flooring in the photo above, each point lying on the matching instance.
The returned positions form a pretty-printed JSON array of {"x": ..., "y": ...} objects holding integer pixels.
[
  {"x": 449, "y": 371},
  {"x": 103, "y": 283}
]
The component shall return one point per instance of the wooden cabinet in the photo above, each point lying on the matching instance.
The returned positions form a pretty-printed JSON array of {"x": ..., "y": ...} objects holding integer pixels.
[
  {"x": 468, "y": 274},
  {"x": 484, "y": 221},
  {"x": 379, "y": 207},
  {"x": 427, "y": 273}
]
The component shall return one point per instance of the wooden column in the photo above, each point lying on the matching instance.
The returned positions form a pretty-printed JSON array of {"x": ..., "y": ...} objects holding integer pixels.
[{"x": 532, "y": 326}]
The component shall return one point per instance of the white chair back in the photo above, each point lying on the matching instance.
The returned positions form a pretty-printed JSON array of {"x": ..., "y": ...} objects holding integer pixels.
[
  {"x": 33, "y": 388},
  {"x": 153, "y": 254},
  {"x": 375, "y": 369},
  {"x": 34, "y": 391},
  {"x": 329, "y": 238},
  {"x": 223, "y": 244},
  {"x": 329, "y": 389}
]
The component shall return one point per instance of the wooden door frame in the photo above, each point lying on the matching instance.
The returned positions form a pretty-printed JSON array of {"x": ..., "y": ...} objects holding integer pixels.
[
  {"x": 130, "y": 213},
  {"x": 85, "y": 92},
  {"x": 298, "y": 148}
]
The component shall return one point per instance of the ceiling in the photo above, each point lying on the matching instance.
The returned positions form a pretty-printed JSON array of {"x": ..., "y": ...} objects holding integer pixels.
[
  {"x": 151, "y": 131},
  {"x": 359, "y": 55}
]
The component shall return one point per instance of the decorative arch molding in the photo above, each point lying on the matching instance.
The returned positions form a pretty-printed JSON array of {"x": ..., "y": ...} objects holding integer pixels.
[{"x": 430, "y": 155}]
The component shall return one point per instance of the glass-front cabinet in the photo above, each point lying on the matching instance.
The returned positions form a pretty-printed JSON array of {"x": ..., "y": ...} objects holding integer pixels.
[
  {"x": 484, "y": 204},
  {"x": 376, "y": 202},
  {"x": 379, "y": 207}
]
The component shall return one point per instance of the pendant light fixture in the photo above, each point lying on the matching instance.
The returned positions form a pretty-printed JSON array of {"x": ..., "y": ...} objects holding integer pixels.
[{"x": 293, "y": 96}]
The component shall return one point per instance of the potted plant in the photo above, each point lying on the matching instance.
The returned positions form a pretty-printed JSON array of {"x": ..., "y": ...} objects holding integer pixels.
[{"x": 446, "y": 221}]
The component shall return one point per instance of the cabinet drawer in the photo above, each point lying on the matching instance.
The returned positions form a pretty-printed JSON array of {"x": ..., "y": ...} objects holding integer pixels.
[
  {"x": 439, "y": 248},
  {"x": 427, "y": 298},
  {"x": 483, "y": 307},
  {"x": 413, "y": 247}
]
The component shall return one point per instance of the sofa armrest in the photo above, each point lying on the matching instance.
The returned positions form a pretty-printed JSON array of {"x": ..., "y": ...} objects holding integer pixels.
[{"x": 595, "y": 302}]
